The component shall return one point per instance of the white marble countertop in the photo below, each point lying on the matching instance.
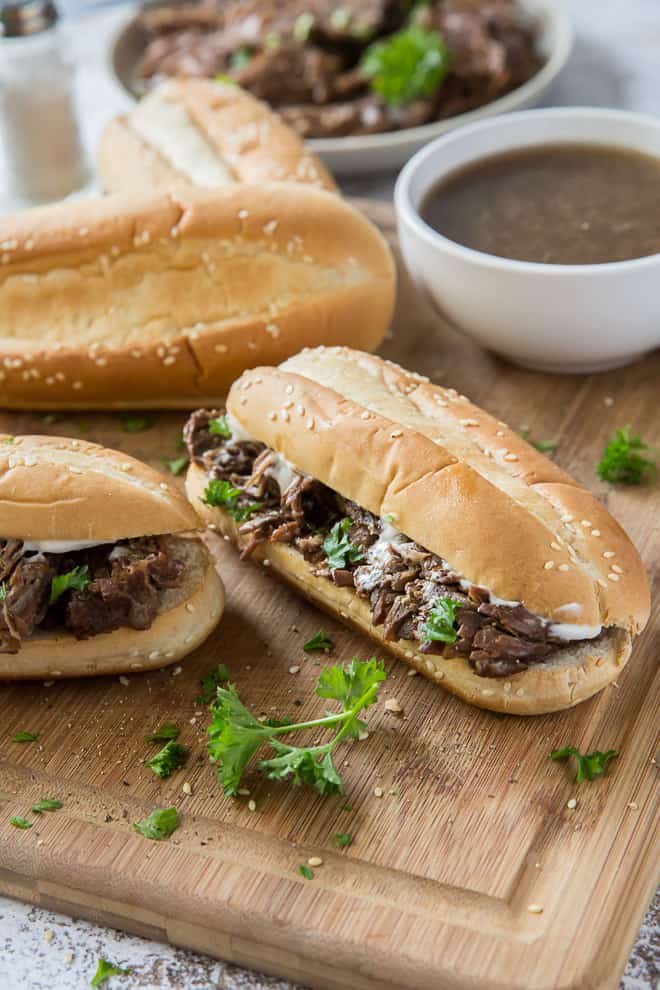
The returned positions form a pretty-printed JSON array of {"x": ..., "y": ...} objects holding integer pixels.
[{"x": 616, "y": 63}]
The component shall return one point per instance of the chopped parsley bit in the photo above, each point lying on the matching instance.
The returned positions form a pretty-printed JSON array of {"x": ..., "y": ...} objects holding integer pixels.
[
  {"x": 8, "y": 440},
  {"x": 221, "y": 494},
  {"x": 210, "y": 683},
  {"x": 305, "y": 872},
  {"x": 319, "y": 642},
  {"x": 180, "y": 442},
  {"x": 235, "y": 734},
  {"x": 159, "y": 824},
  {"x": 589, "y": 766},
  {"x": 544, "y": 446},
  {"x": 338, "y": 548},
  {"x": 167, "y": 731},
  {"x": 135, "y": 424},
  {"x": 23, "y": 737},
  {"x": 440, "y": 625},
  {"x": 104, "y": 970},
  {"x": 220, "y": 427},
  {"x": 20, "y": 822},
  {"x": 240, "y": 58},
  {"x": 303, "y": 25},
  {"x": 3, "y": 591},
  {"x": 172, "y": 756},
  {"x": 407, "y": 66},
  {"x": 46, "y": 804},
  {"x": 51, "y": 418},
  {"x": 222, "y": 78},
  {"x": 76, "y": 580},
  {"x": 343, "y": 839},
  {"x": 622, "y": 462},
  {"x": 177, "y": 465}
]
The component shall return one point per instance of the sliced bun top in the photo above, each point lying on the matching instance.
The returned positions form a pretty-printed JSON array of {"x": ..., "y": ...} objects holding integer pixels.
[
  {"x": 456, "y": 480},
  {"x": 54, "y": 488},
  {"x": 206, "y": 133}
]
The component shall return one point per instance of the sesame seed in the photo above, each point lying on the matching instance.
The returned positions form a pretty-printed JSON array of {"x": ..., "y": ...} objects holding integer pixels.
[
  {"x": 252, "y": 805},
  {"x": 632, "y": 804},
  {"x": 362, "y": 735},
  {"x": 608, "y": 400},
  {"x": 412, "y": 673},
  {"x": 469, "y": 422},
  {"x": 555, "y": 545},
  {"x": 567, "y": 518},
  {"x": 169, "y": 360},
  {"x": 609, "y": 553},
  {"x": 499, "y": 433},
  {"x": 563, "y": 567},
  {"x": 535, "y": 909},
  {"x": 163, "y": 486},
  {"x": 243, "y": 214},
  {"x": 595, "y": 532},
  {"x": 507, "y": 687},
  {"x": 49, "y": 935},
  {"x": 285, "y": 416},
  {"x": 549, "y": 564},
  {"x": 125, "y": 681},
  {"x": 615, "y": 567},
  {"x": 190, "y": 607},
  {"x": 510, "y": 457},
  {"x": 378, "y": 792},
  {"x": 571, "y": 804},
  {"x": 315, "y": 861},
  {"x": 294, "y": 670},
  {"x": 77, "y": 385},
  {"x": 519, "y": 693},
  {"x": 393, "y": 706},
  {"x": 272, "y": 415},
  {"x": 586, "y": 523},
  {"x": 396, "y": 433},
  {"x": 68, "y": 958},
  {"x": 220, "y": 348},
  {"x": 186, "y": 788},
  {"x": 613, "y": 577},
  {"x": 602, "y": 583},
  {"x": 365, "y": 415},
  {"x": 174, "y": 232},
  {"x": 487, "y": 692},
  {"x": 289, "y": 389},
  {"x": 74, "y": 470},
  {"x": 243, "y": 791}
]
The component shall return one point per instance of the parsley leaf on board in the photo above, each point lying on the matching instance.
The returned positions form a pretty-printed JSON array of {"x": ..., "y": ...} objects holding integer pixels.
[
  {"x": 622, "y": 462},
  {"x": 338, "y": 548},
  {"x": 159, "y": 824},
  {"x": 3, "y": 591},
  {"x": 135, "y": 423},
  {"x": 408, "y": 65},
  {"x": 104, "y": 970},
  {"x": 343, "y": 839},
  {"x": 220, "y": 427},
  {"x": 75, "y": 580},
  {"x": 222, "y": 494},
  {"x": 167, "y": 731},
  {"x": 440, "y": 625},
  {"x": 589, "y": 766},
  {"x": 19, "y": 822},
  {"x": 46, "y": 804},
  {"x": 23, "y": 737},
  {"x": 305, "y": 872},
  {"x": 210, "y": 683},
  {"x": 172, "y": 756},
  {"x": 176, "y": 465},
  {"x": 319, "y": 642},
  {"x": 235, "y": 734}
]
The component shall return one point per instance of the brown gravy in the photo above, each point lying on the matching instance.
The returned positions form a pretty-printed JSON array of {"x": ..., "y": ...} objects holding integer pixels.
[{"x": 562, "y": 204}]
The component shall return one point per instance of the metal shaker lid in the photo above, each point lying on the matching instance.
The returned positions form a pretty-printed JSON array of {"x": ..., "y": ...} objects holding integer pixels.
[{"x": 18, "y": 20}]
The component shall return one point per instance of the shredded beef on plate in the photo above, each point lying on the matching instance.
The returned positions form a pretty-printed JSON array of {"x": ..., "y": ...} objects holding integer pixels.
[{"x": 400, "y": 579}]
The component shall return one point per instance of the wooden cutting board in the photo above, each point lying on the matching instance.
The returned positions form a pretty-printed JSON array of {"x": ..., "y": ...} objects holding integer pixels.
[{"x": 473, "y": 825}]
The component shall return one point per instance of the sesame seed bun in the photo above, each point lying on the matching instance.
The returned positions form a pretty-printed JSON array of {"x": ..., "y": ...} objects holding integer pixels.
[
  {"x": 464, "y": 486},
  {"x": 159, "y": 143},
  {"x": 57, "y": 489},
  {"x": 134, "y": 302}
]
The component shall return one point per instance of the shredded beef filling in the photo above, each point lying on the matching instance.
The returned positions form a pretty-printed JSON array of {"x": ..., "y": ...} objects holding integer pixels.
[
  {"x": 401, "y": 580},
  {"x": 303, "y": 56},
  {"x": 123, "y": 588}
]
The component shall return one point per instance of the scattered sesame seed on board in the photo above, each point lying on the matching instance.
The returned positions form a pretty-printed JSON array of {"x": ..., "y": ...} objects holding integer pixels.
[
  {"x": 572, "y": 803},
  {"x": 252, "y": 805},
  {"x": 393, "y": 706},
  {"x": 535, "y": 909},
  {"x": 315, "y": 861},
  {"x": 378, "y": 792}
]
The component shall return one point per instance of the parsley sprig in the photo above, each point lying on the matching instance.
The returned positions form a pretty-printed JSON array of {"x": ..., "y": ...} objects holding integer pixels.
[
  {"x": 622, "y": 462},
  {"x": 222, "y": 494},
  {"x": 159, "y": 824},
  {"x": 75, "y": 580},
  {"x": 210, "y": 683},
  {"x": 338, "y": 548},
  {"x": 589, "y": 765},
  {"x": 321, "y": 641},
  {"x": 407, "y": 66},
  {"x": 104, "y": 971},
  {"x": 235, "y": 734},
  {"x": 440, "y": 624}
]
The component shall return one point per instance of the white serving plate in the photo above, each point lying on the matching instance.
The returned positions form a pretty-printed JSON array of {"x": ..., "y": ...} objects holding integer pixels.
[{"x": 386, "y": 152}]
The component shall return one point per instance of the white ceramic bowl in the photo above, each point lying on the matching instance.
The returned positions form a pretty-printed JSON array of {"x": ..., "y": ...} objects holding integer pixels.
[
  {"x": 370, "y": 153},
  {"x": 561, "y": 318}
]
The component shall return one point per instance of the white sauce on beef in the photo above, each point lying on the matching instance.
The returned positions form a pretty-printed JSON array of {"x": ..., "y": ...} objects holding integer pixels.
[{"x": 166, "y": 126}]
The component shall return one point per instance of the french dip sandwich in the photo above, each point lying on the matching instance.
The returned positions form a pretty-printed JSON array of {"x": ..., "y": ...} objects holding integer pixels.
[
  {"x": 415, "y": 516},
  {"x": 205, "y": 133},
  {"x": 101, "y": 571},
  {"x": 162, "y": 301}
]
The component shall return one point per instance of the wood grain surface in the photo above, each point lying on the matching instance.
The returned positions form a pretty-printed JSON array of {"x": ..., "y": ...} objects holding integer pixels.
[{"x": 473, "y": 826}]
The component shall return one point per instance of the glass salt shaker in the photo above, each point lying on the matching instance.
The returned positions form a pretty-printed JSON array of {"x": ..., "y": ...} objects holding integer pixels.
[{"x": 38, "y": 128}]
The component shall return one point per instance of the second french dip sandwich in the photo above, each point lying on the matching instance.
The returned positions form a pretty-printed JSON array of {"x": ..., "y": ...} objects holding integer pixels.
[{"x": 424, "y": 522}]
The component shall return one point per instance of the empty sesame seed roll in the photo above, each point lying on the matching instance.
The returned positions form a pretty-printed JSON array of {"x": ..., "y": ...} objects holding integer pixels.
[
  {"x": 59, "y": 496},
  {"x": 161, "y": 302},
  {"x": 204, "y": 133},
  {"x": 418, "y": 463}
]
